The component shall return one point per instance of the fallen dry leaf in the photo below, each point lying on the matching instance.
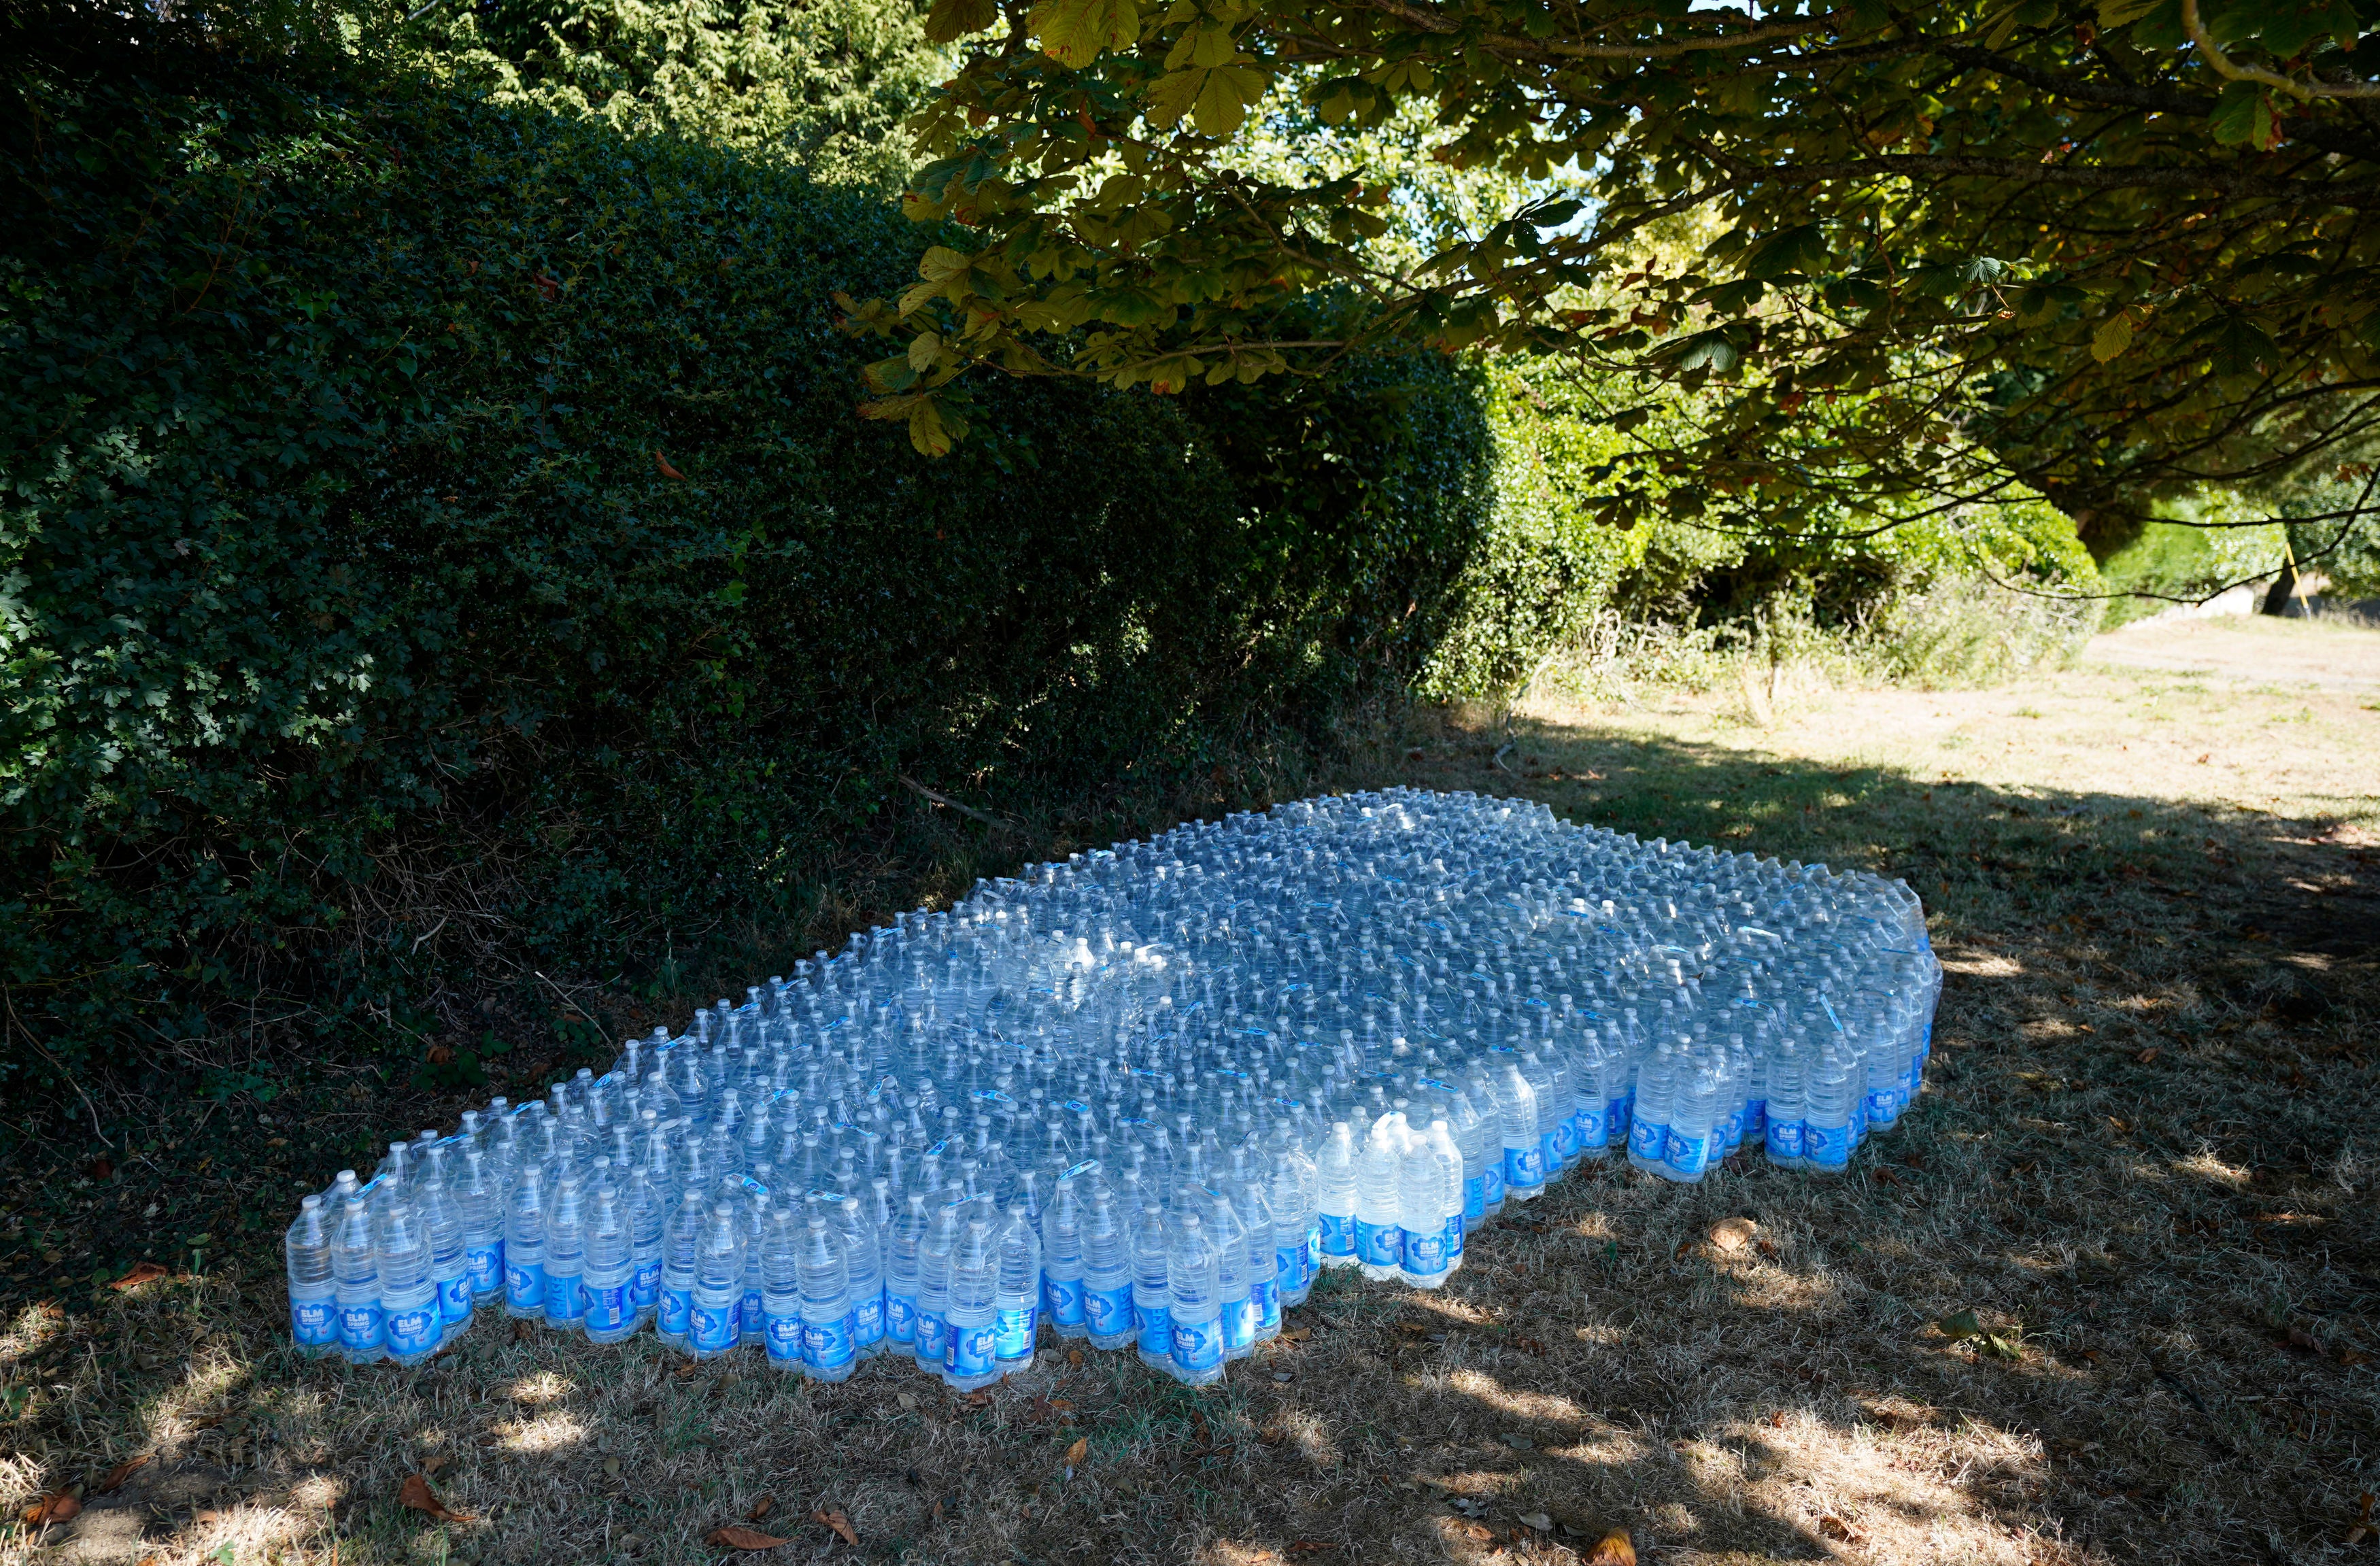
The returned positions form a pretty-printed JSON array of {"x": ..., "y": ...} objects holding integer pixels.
[
  {"x": 416, "y": 1494},
  {"x": 2302, "y": 1341},
  {"x": 836, "y": 1524},
  {"x": 123, "y": 1471},
  {"x": 977, "y": 1400},
  {"x": 1295, "y": 1334},
  {"x": 1614, "y": 1549},
  {"x": 102, "y": 1169},
  {"x": 1311, "y": 1547},
  {"x": 1835, "y": 1527},
  {"x": 434, "y": 1461},
  {"x": 1542, "y": 1522},
  {"x": 1076, "y": 1453},
  {"x": 1963, "y": 1325},
  {"x": 1074, "y": 1358},
  {"x": 668, "y": 472},
  {"x": 2146, "y": 1056},
  {"x": 440, "y": 1054},
  {"x": 761, "y": 1509},
  {"x": 55, "y": 1507},
  {"x": 908, "y": 1400},
  {"x": 142, "y": 1272},
  {"x": 733, "y": 1538},
  {"x": 1733, "y": 1234},
  {"x": 2349, "y": 1357}
]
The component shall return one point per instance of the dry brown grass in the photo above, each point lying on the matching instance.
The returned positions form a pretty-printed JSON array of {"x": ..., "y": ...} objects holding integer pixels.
[{"x": 2145, "y": 1160}]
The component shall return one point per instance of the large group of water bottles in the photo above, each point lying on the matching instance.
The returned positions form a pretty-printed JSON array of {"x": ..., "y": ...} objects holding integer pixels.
[{"x": 1148, "y": 1094}]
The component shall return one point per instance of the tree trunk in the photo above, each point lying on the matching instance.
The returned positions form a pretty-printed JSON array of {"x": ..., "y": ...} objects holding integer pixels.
[{"x": 2285, "y": 586}]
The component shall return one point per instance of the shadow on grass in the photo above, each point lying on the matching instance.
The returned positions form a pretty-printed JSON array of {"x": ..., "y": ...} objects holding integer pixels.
[{"x": 2144, "y": 1161}]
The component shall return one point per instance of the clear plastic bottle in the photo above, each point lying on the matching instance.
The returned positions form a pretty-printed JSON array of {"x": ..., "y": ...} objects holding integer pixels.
[
  {"x": 355, "y": 1256},
  {"x": 1196, "y": 1298},
  {"x": 829, "y": 1345},
  {"x": 1525, "y": 1157},
  {"x": 1649, "y": 1124},
  {"x": 934, "y": 1253},
  {"x": 608, "y": 1270},
  {"x": 479, "y": 1204},
  {"x": 862, "y": 1260},
  {"x": 716, "y": 1313},
  {"x": 1335, "y": 1197},
  {"x": 412, "y": 1325},
  {"x": 1378, "y": 1236},
  {"x": 971, "y": 1359},
  {"x": 314, "y": 1282},
  {"x": 1152, "y": 1293},
  {"x": 1062, "y": 1259},
  {"x": 441, "y": 1225},
  {"x": 1017, "y": 1306},
  {"x": 903, "y": 1244},
  {"x": 565, "y": 1218},
  {"x": 1107, "y": 1273},
  {"x": 646, "y": 1208},
  {"x": 1694, "y": 1109}
]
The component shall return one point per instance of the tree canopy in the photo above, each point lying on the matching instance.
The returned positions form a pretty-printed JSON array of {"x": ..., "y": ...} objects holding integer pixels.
[{"x": 1952, "y": 250}]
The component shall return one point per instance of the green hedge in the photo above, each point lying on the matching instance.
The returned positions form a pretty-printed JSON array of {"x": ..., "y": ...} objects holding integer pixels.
[{"x": 362, "y": 639}]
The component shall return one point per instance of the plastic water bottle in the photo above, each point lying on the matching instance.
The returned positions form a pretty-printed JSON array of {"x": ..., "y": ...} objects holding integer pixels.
[
  {"x": 1152, "y": 1291},
  {"x": 942, "y": 1241},
  {"x": 716, "y": 1315},
  {"x": 1335, "y": 1175},
  {"x": 443, "y": 1227},
  {"x": 752, "y": 1209},
  {"x": 480, "y": 1209},
  {"x": 1421, "y": 1215},
  {"x": 902, "y": 1247},
  {"x": 829, "y": 1346},
  {"x": 607, "y": 1270},
  {"x": 648, "y": 1215},
  {"x": 355, "y": 1259},
  {"x": 1197, "y": 1309},
  {"x": 681, "y": 1245},
  {"x": 1061, "y": 1260},
  {"x": 1451, "y": 1181},
  {"x": 314, "y": 1282},
  {"x": 1017, "y": 1308},
  {"x": 971, "y": 1359},
  {"x": 524, "y": 1244},
  {"x": 1649, "y": 1124},
  {"x": 781, "y": 1291},
  {"x": 565, "y": 1217},
  {"x": 1832, "y": 1084},
  {"x": 1107, "y": 1273},
  {"x": 1694, "y": 1113},
  {"x": 1379, "y": 1243},
  {"x": 408, "y": 1298},
  {"x": 1782, "y": 1140},
  {"x": 863, "y": 1261},
  {"x": 1524, "y": 1158}
]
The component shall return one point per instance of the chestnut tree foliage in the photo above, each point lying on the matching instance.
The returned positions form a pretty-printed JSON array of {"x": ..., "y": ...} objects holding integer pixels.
[{"x": 1954, "y": 251}]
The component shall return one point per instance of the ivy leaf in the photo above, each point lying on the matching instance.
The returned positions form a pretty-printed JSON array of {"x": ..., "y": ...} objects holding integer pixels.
[
  {"x": 1076, "y": 32},
  {"x": 953, "y": 19},
  {"x": 2114, "y": 334}
]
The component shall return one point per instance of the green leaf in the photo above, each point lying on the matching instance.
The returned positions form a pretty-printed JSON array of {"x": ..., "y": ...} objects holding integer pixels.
[
  {"x": 2243, "y": 347},
  {"x": 2000, "y": 30},
  {"x": 1715, "y": 351},
  {"x": 1799, "y": 248},
  {"x": 1076, "y": 32},
  {"x": 953, "y": 19},
  {"x": 930, "y": 431},
  {"x": 1960, "y": 1326},
  {"x": 2114, "y": 334},
  {"x": 2244, "y": 114},
  {"x": 2114, "y": 13}
]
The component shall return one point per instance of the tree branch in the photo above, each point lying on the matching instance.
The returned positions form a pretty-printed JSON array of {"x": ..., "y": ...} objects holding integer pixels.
[{"x": 2225, "y": 65}]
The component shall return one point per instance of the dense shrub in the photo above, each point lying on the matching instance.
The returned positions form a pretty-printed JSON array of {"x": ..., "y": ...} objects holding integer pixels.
[{"x": 436, "y": 539}]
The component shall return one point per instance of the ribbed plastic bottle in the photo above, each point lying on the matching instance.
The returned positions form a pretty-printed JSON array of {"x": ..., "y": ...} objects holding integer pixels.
[
  {"x": 681, "y": 1248},
  {"x": 314, "y": 1282},
  {"x": 971, "y": 1358},
  {"x": 1062, "y": 1259},
  {"x": 408, "y": 1297},
  {"x": 1016, "y": 1306},
  {"x": 608, "y": 1270},
  {"x": 903, "y": 1242},
  {"x": 1335, "y": 1196},
  {"x": 1421, "y": 1216},
  {"x": 1107, "y": 1273},
  {"x": 829, "y": 1346},
  {"x": 1379, "y": 1235},
  {"x": 1196, "y": 1358},
  {"x": 863, "y": 1263},
  {"x": 715, "y": 1317},
  {"x": 942, "y": 1234},
  {"x": 1152, "y": 1293},
  {"x": 565, "y": 1217}
]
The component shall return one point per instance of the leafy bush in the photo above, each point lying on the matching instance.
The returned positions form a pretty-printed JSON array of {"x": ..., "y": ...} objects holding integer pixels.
[{"x": 438, "y": 544}]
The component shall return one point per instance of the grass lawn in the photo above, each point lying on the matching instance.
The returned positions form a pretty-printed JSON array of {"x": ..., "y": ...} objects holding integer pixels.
[{"x": 2145, "y": 1160}]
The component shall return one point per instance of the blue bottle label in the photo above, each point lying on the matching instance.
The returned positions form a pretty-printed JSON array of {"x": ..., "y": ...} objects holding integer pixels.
[
  {"x": 361, "y": 1326},
  {"x": 1524, "y": 1167},
  {"x": 524, "y": 1285},
  {"x": 1425, "y": 1255},
  {"x": 1063, "y": 1298},
  {"x": 972, "y": 1350},
  {"x": 1755, "y": 1119},
  {"x": 1012, "y": 1330},
  {"x": 677, "y": 1311},
  {"x": 314, "y": 1323},
  {"x": 714, "y": 1327},
  {"x": 1594, "y": 1130},
  {"x": 1453, "y": 1240},
  {"x": 1475, "y": 1196},
  {"x": 1548, "y": 1159},
  {"x": 1239, "y": 1319},
  {"x": 1784, "y": 1138},
  {"x": 1266, "y": 1298},
  {"x": 485, "y": 1264},
  {"x": 868, "y": 1320},
  {"x": 1646, "y": 1140},
  {"x": 1306, "y": 1261},
  {"x": 829, "y": 1345},
  {"x": 454, "y": 1298},
  {"x": 645, "y": 1288},
  {"x": 933, "y": 1337},
  {"x": 1615, "y": 1119},
  {"x": 900, "y": 1317},
  {"x": 1338, "y": 1235},
  {"x": 1829, "y": 1147},
  {"x": 1686, "y": 1155},
  {"x": 1565, "y": 1138},
  {"x": 605, "y": 1306},
  {"x": 1491, "y": 1188},
  {"x": 562, "y": 1302},
  {"x": 1198, "y": 1345},
  {"x": 414, "y": 1330},
  {"x": 783, "y": 1337},
  {"x": 1378, "y": 1245},
  {"x": 1289, "y": 1266},
  {"x": 752, "y": 1314},
  {"x": 1109, "y": 1311},
  {"x": 1154, "y": 1324}
]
